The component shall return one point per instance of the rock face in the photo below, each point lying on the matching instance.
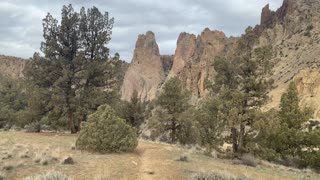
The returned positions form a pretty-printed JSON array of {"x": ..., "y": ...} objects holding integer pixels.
[
  {"x": 145, "y": 74},
  {"x": 266, "y": 15},
  {"x": 12, "y": 67},
  {"x": 293, "y": 31},
  {"x": 194, "y": 56},
  {"x": 294, "y": 35}
]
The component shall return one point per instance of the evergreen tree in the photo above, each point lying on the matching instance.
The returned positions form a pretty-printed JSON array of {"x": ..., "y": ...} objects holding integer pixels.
[
  {"x": 289, "y": 137},
  {"x": 134, "y": 110},
  {"x": 284, "y": 136},
  {"x": 210, "y": 124},
  {"x": 171, "y": 104},
  {"x": 13, "y": 100},
  {"x": 75, "y": 67},
  {"x": 290, "y": 113},
  {"x": 242, "y": 85}
]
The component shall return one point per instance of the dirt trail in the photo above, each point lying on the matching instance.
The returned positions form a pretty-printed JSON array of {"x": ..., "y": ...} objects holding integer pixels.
[{"x": 156, "y": 163}]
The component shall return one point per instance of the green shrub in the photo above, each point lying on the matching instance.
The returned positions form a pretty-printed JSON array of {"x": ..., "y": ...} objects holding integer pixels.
[{"x": 105, "y": 132}]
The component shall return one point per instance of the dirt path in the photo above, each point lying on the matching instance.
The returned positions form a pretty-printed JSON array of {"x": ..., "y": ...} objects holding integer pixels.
[{"x": 157, "y": 162}]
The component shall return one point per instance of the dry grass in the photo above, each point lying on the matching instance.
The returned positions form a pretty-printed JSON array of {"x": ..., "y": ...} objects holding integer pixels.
[
  {"x": 51, "y": 175},
  {"x": 149, "y": 161},
  {"x": 214, "y": 175}
]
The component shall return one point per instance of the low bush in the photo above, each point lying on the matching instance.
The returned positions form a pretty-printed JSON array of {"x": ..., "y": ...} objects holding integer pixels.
[
  {"x": 214, "y": 175},
  {"x": 249, "y": 160},
  {"x": 105, "y": 132},
  {"x": 52, "y": 175},
  {"x": 183, "y": 158},
  {"x": 34, "y": 127}
]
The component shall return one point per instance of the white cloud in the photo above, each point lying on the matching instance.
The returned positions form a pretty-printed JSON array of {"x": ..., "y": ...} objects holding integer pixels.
[{"x": 21, "y": 20}]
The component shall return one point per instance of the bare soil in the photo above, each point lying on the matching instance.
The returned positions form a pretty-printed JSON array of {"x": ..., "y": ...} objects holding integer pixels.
[{"x": 149, "y": 161}]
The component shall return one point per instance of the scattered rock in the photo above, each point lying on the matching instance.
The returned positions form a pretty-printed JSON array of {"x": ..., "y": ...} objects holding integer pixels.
[
  {"x": 7, "y": 156},
  {"x": 135, "y": 163},
  {"x": 25, "y": 154},
  {"x": 68, "y": 160},
  {"x": 149, "y": 172},
  {"x": 8, "y": 167}
]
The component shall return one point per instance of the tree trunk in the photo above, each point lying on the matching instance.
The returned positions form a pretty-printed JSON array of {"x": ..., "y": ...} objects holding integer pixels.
[
  {"x": 83, "y": 118},
  {"x": 173, "y": 134},
  {"x": 234, "y": 140},
  {"x": 241, "y": 137},
  {"x": 71, "y": 122}
]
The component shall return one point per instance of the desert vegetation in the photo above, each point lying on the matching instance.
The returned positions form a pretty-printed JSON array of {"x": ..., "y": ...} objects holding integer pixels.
[{"x": 65, "y": 119}]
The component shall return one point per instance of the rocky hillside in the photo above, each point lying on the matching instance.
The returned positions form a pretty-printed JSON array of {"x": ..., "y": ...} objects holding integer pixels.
[
  {"x": 293, "y": 31},
  {"x": 11, "y": 67}
]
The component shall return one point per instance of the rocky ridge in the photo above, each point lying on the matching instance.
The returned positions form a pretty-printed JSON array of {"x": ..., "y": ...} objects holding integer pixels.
[
  {"x": 293, "y": 31},
  {"x": 12, "y": 67}
]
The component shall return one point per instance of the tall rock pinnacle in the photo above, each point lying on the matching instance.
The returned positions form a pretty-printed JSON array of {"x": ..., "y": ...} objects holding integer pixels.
[{"x": 145, "y": 74}]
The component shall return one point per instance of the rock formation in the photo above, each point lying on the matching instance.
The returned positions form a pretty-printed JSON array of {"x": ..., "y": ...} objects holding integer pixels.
[
  {"x": 12, "y": 67},
  {"x": 294, "y": 35},
  {"x": 266, "y": 16},
  {"x": 194, "y": 56},
  {"x": 293, "y": 32},
  {"x": 145, "y": 73}
]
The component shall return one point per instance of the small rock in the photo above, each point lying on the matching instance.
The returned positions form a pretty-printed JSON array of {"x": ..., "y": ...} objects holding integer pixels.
[
  {"x": 68, "y": 160},
  {"x": 8, "y": 167},
  {"x": 8, "y": 156},
  {"x": 184, "y": 158},
  {"x": 149, "y": 172}
]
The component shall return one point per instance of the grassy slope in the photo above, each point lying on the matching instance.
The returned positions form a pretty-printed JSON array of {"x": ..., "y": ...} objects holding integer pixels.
[{"x": 149, "y": 161}]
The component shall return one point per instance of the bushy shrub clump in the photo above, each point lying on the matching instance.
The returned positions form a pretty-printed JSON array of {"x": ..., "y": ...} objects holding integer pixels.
[
  {"x": 249, "y": 160},
  {"x": 105, "y": 132}
]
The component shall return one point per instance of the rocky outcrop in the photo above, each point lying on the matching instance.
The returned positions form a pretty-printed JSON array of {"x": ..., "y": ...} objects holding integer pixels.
[
  {"x": 145, "y": 73},
  {"x": 308, "y": 85},
  {"x": 294, "y": 36},
  {"x": 194, "y": 56},
  {"x": 293, "y": 31},
  {"x": 12, "y": 67},
  {"x": 266, "y": 15}
]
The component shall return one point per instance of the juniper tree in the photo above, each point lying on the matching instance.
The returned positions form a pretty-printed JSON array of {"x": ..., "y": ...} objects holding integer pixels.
[
  {"x": 12, "y": 100},
  {"x": 242, "y": 84},
  {"x": 134, "y": 110},
  {"x": 75, "y": 65},
  {"x": 290, "y": 138},
  {"x": 170, "y": 106}
]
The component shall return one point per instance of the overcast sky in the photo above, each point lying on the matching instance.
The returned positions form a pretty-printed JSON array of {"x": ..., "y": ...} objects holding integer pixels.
[{"x": 21, "y": 21}]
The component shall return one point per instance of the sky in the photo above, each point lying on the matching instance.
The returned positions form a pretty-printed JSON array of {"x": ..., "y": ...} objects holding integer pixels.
[{"x": 21, "y": 21}]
